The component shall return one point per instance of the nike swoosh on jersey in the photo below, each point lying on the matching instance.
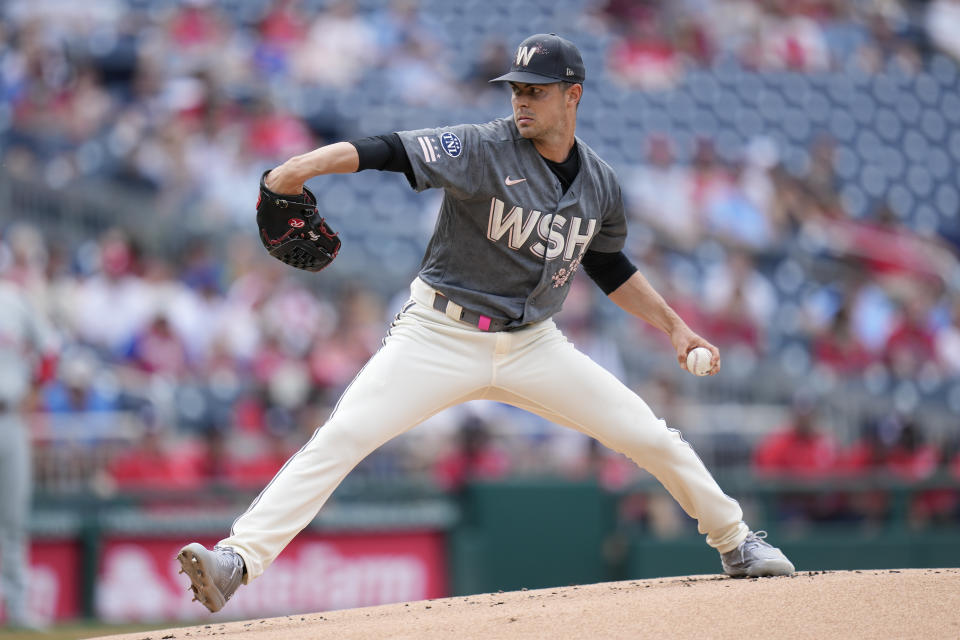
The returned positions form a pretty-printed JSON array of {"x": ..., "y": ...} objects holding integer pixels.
[{"x": 510, "y": 182}]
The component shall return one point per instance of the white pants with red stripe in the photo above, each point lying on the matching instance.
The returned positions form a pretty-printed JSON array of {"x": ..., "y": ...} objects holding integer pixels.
[{"x": 430, "y": 362}]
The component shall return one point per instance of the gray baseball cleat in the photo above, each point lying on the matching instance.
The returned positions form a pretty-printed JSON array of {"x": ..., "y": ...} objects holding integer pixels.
[
  {"x": 755, "y": 558},
  {"x": 214, "y": 574}
]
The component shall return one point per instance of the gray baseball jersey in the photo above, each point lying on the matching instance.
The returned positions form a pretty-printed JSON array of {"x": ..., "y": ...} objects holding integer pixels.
[{"x": 508, "y": 238}]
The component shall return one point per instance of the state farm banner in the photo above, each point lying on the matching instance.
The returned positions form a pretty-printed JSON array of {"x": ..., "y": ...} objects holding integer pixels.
[{"x": 138, "y": 577}]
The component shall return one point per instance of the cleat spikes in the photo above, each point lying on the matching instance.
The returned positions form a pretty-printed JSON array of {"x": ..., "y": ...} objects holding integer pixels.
[{"x": 214, "y": 574}]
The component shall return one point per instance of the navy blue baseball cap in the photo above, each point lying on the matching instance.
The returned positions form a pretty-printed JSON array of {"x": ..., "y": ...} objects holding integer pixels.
[{"x": 545, "y": 58}]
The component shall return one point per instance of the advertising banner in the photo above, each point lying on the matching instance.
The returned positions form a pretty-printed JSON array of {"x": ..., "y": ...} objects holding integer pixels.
[
  {"x": 53, "y": 588},
  {"x": 138, "y": 577}
]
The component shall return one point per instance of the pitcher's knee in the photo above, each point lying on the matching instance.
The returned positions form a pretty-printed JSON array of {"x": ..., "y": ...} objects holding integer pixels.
[
  {"x": 341, "y": 441},
  {"x": 650, "y": 441}
]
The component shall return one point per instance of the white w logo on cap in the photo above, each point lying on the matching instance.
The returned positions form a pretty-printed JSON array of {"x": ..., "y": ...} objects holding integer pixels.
[{"x": 524, "y": 54}]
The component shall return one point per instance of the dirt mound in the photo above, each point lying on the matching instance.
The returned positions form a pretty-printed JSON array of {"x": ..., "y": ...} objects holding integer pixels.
[{"x": 907, "y": 603}]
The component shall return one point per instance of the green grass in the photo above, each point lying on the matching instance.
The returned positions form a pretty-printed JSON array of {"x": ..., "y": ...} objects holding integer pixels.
[{"x": 78, "y": 630}]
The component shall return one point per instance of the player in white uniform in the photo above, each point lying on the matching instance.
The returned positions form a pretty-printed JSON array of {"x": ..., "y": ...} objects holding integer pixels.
[
  {"x": 25, "y": 338},
  {"x": 526, "y": 203}
]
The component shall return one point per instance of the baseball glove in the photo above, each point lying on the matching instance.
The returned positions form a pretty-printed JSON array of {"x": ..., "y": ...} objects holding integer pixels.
[{"x": 292, "y": 230}]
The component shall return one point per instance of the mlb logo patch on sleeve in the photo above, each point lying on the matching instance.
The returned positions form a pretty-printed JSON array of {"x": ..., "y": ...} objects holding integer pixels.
[{"x": 451, "y": 144}]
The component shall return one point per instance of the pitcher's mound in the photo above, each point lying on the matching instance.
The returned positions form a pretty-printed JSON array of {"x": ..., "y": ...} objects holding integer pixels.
[{"x": 907, "y": 603}]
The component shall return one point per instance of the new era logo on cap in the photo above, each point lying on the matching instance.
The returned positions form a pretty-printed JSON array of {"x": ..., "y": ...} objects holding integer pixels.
[{"x": 545, "y": 58}]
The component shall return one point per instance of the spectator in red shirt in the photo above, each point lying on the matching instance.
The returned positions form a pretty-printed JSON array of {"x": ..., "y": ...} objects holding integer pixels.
[
  {"x": 158, "y": 349},
  {"x": 800, "y": 449},
  {"x": 283, "y": 25},
  {"x": 868, "y": 454},
  {"x": 645, "y": 58},
  {"x": 839, "y": 349},
  {"x": 474, "y": 458},
  {"x": 913, "y": 459},
  {"x": 911, "y": 345},
  {"x": 195, "y": 26},
  {"x": 214, "y": 463},
  {"x": 148, "y": 465},
  {"x": 905, "y": 456},
  {"x": 275, "y": 133},
  {"x": 731, "y": 324}
]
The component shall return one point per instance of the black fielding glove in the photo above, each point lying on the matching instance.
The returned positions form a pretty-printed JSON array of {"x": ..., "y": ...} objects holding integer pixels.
[{"x": 292, "y": 230}]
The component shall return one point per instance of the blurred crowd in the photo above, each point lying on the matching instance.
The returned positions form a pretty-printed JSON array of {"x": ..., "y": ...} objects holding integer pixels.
[
  {"x": 657, "y": 41},
  {"x": 212, "y": 363},
  {"x": 888, "y": 299},
  {"x": 193, "y": 346},
  {"x": 890, "y": 450},
  {"x": 188, "y": 100}
]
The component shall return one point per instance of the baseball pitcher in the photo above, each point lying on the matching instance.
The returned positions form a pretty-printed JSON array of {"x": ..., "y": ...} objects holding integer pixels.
[{"x": 526, "y": 205}]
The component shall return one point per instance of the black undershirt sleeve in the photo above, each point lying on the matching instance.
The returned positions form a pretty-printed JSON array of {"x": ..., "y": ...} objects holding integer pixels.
[
  {"x": 608, "y": 270},
  {"x": 384, "y": 153}
]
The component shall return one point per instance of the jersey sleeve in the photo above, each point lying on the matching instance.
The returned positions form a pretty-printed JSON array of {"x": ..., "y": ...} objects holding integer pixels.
[
  {"x": 38, "y": 331},
  {"x": 613, "y": 229},
  {"x": 449, "y": 158}
]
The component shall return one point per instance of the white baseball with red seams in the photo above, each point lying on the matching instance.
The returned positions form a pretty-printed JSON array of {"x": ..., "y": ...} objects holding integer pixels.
[{"x": 698, "y": 361}]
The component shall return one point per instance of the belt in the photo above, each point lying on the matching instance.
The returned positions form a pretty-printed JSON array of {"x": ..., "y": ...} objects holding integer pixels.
[{"x": 451, "y": 309}]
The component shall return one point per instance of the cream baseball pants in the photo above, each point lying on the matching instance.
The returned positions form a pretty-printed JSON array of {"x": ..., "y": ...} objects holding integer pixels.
[
  {"x": 15, "y": 489},
  {"x": 430, "y": 362}
]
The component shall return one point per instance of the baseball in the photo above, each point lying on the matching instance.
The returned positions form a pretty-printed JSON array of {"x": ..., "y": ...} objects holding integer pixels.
[{"x": 698, "y": 361}]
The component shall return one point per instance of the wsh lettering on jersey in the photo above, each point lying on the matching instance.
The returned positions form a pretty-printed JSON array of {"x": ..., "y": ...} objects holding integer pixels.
[{"x": 558, "y": 235}]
